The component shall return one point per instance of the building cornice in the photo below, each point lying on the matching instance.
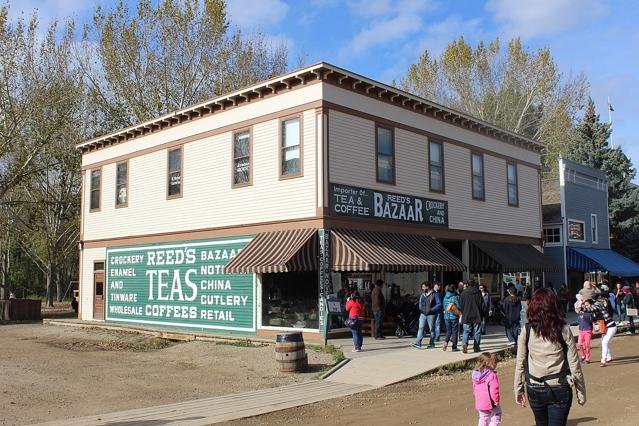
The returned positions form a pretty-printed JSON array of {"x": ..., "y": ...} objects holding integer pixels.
[{"x": 320, "y": 72}]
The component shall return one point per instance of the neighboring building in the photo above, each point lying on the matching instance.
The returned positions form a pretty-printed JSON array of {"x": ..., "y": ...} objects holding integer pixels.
[
  {"x": 242, "y": 213},
  {"x": 576, "y": 228}
]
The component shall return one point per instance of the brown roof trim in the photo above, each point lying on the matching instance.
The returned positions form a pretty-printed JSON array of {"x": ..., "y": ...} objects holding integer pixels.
[
  {"x": 309, "y": 222},
  {"x": 320, "y": 72}
]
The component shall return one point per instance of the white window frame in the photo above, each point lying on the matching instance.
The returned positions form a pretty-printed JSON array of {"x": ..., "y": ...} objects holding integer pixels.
[
  {"x": 594, "y": 228},
  {"x": 568, "y": 230},
  {"x": 561, "y": 238}
]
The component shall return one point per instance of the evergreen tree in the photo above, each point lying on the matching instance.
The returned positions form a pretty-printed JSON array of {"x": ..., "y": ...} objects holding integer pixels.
[{"x": 591, "y": 148}]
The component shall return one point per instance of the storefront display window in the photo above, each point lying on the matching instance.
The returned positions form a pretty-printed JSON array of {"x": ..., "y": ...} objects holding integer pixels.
[{"x": 290, "y": 300}]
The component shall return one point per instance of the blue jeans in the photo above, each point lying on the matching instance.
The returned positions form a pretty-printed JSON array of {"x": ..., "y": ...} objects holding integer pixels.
[
  {"x": 483, "y": 325},
  {"x": 379, "y": 319},
  {"x": 475, "y": 330},
  {"x": 621, "y": 312},
  {"x": 423, "y": 319},
  {"x": 550, "y": 404},
  {"x": 452, "y": 328},
  {"x": 358, "y": 337},
  {"x": 438, "y": 325},
  {"x": 512, "y": 333}
]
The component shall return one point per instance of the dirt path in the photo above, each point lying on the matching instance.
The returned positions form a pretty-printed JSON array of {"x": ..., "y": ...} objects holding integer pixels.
[
  {"x": 611, "y": 391},
  {"x": 49, "y": 373}
]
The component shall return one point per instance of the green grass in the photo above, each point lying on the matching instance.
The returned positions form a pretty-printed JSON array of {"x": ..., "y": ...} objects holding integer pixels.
[
  {"x": 246, "y": 343},
  {"x": 465, "y": 365},
  {"x": 338, "y": 355}
]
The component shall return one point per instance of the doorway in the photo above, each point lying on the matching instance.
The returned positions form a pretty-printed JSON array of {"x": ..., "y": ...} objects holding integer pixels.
[{"x": 98, "y": 290}]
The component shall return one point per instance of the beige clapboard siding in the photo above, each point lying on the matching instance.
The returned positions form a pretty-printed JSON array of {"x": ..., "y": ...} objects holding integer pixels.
[
  {"x": 369, "y": 105},
  {"x": 250, "y": 111},
  {"x": 86, "y": 280},
  {"x": 352, "y": 162},
  {"x": 208, "y": 200}
]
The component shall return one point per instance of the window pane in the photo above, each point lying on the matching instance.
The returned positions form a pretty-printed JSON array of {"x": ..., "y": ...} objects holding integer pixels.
[
  {"x": 478, "y": 167},
  {"x": 436, "y": 178},
  {"x": 435, "y": 153},
  {"x": 478, "y": 187},
  {"x": 512, "y": 194},
  {"x": 291, "y": 161},
  {"x": 95, "y": 189},
  {"x": 121, "y": 183},
  {"x": 98, "y": 266},
  {"x": 242, "y": 170},
  {"x": 512, "y": 174},
  {"x": 241, "y": 145},
  {"x": 385, "y": 168},
  {"x": 175, "y": 172},
  {"x": 575, "y": 230},
  {"x": 384, "y": 141},
  {"x": 291, "y": 132},
  {"x": 99, "y": 288}
]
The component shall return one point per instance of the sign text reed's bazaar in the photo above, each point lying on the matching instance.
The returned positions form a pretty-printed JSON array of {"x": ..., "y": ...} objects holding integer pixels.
[
  {"x": 369, "y": 203},
  {"x": 180, "y": 284}
]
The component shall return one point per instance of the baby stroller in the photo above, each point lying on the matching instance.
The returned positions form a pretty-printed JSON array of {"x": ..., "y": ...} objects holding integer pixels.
[{"x": 407, "y": 320}]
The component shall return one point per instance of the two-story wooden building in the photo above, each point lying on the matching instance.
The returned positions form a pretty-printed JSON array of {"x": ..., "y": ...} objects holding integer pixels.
[{"x": 242, "y": 213}]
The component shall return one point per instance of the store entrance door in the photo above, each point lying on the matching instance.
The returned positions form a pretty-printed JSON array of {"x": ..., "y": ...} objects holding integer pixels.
[{"x": 98, "y": 290}]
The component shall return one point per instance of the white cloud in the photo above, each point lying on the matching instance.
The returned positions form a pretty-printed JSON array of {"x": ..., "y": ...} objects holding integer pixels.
[
  {"x": 251, "y": 14},
  {"x": 402, "y": 19},
  {"x": 542, "y": 17}
]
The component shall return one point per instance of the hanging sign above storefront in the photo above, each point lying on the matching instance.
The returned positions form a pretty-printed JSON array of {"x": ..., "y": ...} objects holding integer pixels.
[
  {"x": 180, "y": 284},
  {"x": 369, "y": 203}
]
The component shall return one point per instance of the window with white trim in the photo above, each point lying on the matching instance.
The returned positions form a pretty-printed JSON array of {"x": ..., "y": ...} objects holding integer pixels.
[
  {"x": 576, "y": 230},
  {"x": 593, "y": 228},
  {"x": 552, "y": 236},
  {"x": 477, "y": 170}
]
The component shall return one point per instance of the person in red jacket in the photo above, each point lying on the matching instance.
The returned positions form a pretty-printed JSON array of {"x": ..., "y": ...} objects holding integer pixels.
[{"x": 355, "y": 307}]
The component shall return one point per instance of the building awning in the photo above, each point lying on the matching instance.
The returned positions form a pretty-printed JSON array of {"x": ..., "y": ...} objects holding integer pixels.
[
  {"x": 592, "y": 259},
  {"x": 277, "y": 251},
  {"x": 488, "y": 256},
  {"x": 355, "y": 250}
]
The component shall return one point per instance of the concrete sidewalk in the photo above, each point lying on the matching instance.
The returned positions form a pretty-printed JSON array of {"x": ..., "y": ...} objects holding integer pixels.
[{"x": 382, "y": 362}]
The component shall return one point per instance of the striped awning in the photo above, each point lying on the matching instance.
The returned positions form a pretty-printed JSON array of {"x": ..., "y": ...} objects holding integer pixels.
[
  {"x": 495, "y": 257},
  {"x": 354, "y": 250},
  {"x": 277, "y": 251}
]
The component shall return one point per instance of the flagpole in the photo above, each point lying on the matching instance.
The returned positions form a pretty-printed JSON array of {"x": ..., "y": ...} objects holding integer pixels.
[{"x": 612, "y": 144}]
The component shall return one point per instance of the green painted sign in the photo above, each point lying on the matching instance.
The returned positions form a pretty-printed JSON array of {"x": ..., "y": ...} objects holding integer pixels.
[{"x": 180, "y": 284}]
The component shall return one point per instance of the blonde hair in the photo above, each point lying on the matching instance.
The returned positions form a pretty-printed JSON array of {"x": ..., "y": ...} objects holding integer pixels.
[{"x": 486, "y": 360}]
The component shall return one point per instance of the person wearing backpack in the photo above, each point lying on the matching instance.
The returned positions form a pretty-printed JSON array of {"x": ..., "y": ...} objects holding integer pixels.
[
  {"x": 452, "y": 311},
  {"x": 430, "y": 304},
  {"x": 548, "y": 362},
  {"x": 511, "y": 305}
]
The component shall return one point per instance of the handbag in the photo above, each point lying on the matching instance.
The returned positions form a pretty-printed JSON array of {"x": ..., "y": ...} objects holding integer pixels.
[
  {"x": 350, "y": 322},
  {"x": 599, "y": 327},
  {"x": 453, "y": 309},
  {"x": 631, "y": 312}
]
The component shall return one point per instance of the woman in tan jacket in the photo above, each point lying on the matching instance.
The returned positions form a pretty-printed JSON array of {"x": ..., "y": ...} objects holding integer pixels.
[{"x": 548, "y": 362}]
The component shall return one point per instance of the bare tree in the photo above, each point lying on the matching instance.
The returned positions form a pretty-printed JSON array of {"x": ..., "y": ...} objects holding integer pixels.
[{"x": 516, "y": 89}]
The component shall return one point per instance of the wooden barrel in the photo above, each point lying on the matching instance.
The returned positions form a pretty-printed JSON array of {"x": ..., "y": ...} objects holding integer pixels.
[{"x": 289, "y": 352}]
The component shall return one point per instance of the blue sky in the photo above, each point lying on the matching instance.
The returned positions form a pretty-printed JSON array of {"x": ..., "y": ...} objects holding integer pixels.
[{"x": 381, "y": 38}]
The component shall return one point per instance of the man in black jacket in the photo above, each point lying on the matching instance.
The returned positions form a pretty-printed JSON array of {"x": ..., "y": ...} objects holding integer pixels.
[{"x": 472, "y": 314}]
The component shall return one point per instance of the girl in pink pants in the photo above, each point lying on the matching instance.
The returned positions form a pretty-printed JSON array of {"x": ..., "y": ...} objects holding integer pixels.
[{"x": 585, "y": 333}]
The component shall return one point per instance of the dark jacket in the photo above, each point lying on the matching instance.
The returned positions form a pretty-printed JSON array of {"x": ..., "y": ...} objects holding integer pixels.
[
  {"x": 435, "y": 305},
  {"x": 472, "y": 305},
  {"x": 488, "y": 303},
  {"x": 511, "y": 306},
  {"x": 378, "y": 302}
]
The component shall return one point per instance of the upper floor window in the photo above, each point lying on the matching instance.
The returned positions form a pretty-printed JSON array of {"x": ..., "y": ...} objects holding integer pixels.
[
  {"x": 242, "y": 158},
  {"x": 174, "y": 177},
  {"x": 436, "y": 166},
  {"x": 291, "y": 148},
  {"x": 121, "y": 184},
  {"x": 576, "y": 230},
  {"x": 513, "y": 191},
  {"x": 96, "y": 186},
  {"x": 477, "y": 166},
  {"x": 593, "y": 228},
  {"x": 552, "y": 236},
  {"x": 385, "y": 155}
]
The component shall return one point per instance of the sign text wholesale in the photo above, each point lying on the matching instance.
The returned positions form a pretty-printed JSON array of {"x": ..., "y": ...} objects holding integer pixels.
[{"x": 180, "y": 284}]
